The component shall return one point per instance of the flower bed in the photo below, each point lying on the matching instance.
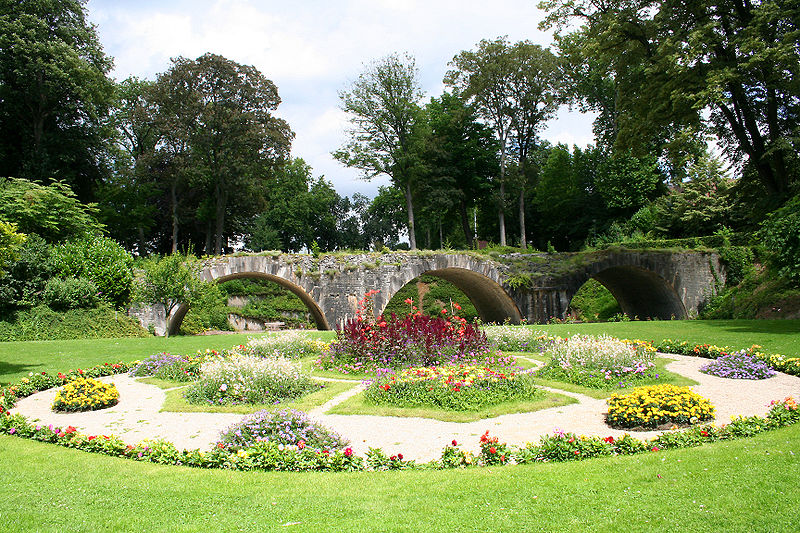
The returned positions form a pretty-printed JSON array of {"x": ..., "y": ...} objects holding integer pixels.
[
  {"x": 365, "y": 344},
  {"x": 657, "y": 405},
  {"x": 516, "y": 339},
  {"x": 599, "y": 362},
  {"x": 738, "y": 365},
  {"x": 85, "y": 394},
  {"x": 289, "y": 427},
  {"x": 168, "y": 366},
  {"x": 456, "y": 388},
  {"x": 269, "y": 455},
  {"x": 249, "y": 380},
  {"x": 781, "y": 363}
]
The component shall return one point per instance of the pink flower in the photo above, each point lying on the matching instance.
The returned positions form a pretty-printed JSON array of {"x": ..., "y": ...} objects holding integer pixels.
[
  {"x": 348, "y": 452},
  {"x": 454, "y": 443}
]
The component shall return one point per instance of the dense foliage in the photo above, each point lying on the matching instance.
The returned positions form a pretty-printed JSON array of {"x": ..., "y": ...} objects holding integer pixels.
[{"x": 285, "y": 427}]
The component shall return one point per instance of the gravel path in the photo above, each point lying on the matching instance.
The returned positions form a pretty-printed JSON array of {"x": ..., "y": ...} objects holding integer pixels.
[{"x": 137, "y": 416}]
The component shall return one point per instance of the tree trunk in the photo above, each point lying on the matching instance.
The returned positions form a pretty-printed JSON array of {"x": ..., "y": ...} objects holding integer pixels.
[
  {"x": 522, "y": 241},
  {"x": 462, "y": 207},
  {"x": 412, "y": 238},
  {"x": 209, "y": 238},
  {"x": 501, "y": 211},
  {"x": 174, "y": 200},
  {"x": 428, "y": 238},
  {"x": 441, "y": 239}
]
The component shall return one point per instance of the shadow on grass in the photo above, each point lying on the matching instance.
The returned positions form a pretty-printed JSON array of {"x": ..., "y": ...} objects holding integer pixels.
[
  {"x": 775, "y": 327},
  {"x": 13, "y": 368}
]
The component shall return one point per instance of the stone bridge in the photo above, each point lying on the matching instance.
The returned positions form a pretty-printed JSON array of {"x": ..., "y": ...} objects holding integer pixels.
[{"x": 535, "y": 287}]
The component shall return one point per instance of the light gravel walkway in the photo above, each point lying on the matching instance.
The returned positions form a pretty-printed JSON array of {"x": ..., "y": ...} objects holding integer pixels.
[{"x": 137, "y": 416}]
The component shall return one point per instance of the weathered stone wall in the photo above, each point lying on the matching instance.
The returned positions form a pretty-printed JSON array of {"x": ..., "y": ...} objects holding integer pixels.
[{"x": 647, "y": 284}]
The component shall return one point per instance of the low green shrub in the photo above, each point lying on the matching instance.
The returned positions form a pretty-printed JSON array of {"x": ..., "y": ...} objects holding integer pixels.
[
  {"x": 70, "y": 293},
  {"x": 85, "y": 394},
  {"x": 42, "y": 323}
]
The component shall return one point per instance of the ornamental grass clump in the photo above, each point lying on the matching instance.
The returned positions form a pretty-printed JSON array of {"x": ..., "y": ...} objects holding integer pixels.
[
  {"x": 366, "y": 344},
  {"x": 85, "y": 394},
  {"x": 291, "y": 344},
  {"x": 168, "y": 366},
  {"x": 599, "y": 362},
  {"x": 738, "y": 365},
  {"x": 518, "y": 339},
  {"x": 454, "y": 388},
  {"x": 286, "y": 427},
  {"x": 658, "y": 406},
  {"x": 249, "y": 380}
]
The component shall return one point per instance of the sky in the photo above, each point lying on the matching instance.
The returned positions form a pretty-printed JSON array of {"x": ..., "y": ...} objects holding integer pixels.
[{"x": 312, "y": 50}]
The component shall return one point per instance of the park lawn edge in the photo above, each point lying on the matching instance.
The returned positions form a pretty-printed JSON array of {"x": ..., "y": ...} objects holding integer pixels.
[{"x": 358, "y": 405}]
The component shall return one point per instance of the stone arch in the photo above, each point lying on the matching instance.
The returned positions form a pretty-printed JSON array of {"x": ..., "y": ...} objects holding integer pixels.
[
  {"x": 316, "y": 312},
  {"x": 490, "y": 299},
  {"x": 639, "y": 291}
]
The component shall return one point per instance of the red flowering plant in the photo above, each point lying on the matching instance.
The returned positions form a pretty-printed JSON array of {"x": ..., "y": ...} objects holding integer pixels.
[
  {"x": 493, "y": 452},
  {"x": 367, "y": 343}
]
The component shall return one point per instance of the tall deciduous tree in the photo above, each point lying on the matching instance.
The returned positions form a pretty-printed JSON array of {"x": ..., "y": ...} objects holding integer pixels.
[
  {"x": 383, "y": 108},
  {"x": 54, "y": 94},
  {"x": 737, "y": 61},
  {"x": 514, "y": 88},
  {"x": 220, "y": 114}
]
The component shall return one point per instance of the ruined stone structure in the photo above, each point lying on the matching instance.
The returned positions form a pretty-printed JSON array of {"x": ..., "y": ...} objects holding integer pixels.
[{"x": 536, "y": 287}]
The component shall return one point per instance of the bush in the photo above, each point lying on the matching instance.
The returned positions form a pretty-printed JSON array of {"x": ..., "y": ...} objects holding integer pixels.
[
  {"x": 288, "y": 427},
  {"x": 738, "y": 365},
  {"x": 42, "y": 323},
  {"x": 249, "y": 380},
  {"x": 780, "y": 233},
  {"x": 291, "y": 344},
  {"x": 599, "y": 362},
  {"x": 101, "y": 260},
  {"x": 461, "y": 388},
  {"x": 85, "y": 394},
  {"x": 657, "y": 405},
  {"x": 25, "y": 278},
  {"x": 71, "y": 293}
]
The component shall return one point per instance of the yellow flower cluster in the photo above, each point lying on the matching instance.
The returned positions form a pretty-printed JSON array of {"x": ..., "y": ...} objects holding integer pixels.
[
  {"x": 638, "y": 344},
  {"x": 463, "y": 375},
  {"x": 85, "y": 394},
  {"x": 658, "y": 404}
]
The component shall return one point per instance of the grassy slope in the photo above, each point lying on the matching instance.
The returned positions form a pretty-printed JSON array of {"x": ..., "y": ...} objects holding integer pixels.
[{"x": 745, "y": 485}]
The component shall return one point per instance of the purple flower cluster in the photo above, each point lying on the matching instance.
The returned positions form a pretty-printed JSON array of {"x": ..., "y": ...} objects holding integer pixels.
[
  {"x": 168, "y": 366},
  {"x": 287, "y": 427},
  {"x": 738, "y": 365}
]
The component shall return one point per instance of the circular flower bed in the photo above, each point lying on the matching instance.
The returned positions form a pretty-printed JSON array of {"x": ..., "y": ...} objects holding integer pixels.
[
  {"x": 599, "y": 362},
  {"x": 456, "y": 388},
  {"x": 85, "y": 394},
  {"x": 249, "y": 380},
  {"x": 738, "y": 365},
  {"x": 289, "y": 427},
  {"x": 657, "y": 405}
]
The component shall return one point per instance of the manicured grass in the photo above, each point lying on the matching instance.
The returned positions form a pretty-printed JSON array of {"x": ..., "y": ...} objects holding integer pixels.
[
  {"x": 177, "y": 403},
  {"x": 665, "y": 376},
  {"x": 162, "y": 383},
  {"x": 744, "y": 485},
  {"x": 775, "y": 336},
  {"x": 358, "y": 405},
  {"x": 19, "y": 358}
]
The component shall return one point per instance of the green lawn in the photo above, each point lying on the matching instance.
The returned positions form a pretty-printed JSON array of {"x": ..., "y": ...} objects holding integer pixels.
[
  {"x": 745, "y": 485},
  {"x": 776, "y": 336},
  {"x": 358, "y": 405},
  {"x": 176, "y": 402}
]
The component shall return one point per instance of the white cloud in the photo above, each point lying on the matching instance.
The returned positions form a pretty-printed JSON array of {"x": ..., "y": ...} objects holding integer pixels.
[{"x": 314, "y": 48}]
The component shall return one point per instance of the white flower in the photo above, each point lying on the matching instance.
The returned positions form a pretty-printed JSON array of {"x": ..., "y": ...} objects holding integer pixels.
[{"x": 223, "y": 387}]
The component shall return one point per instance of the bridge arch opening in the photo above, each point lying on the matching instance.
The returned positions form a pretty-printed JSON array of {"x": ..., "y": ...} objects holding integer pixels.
[
  {"x": 490, "y": 300},
  {"x": 641, "y": 293},
  {"x": 314, "y": 310}
]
